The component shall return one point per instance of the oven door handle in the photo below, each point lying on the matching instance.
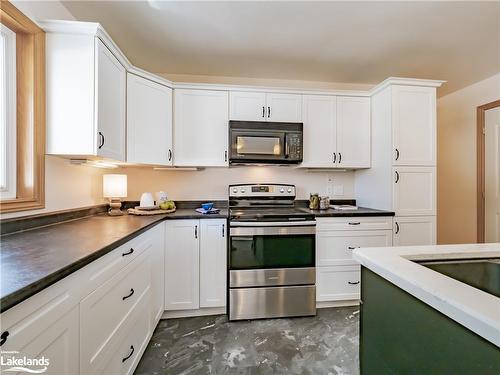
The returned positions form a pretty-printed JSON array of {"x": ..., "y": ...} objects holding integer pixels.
[
  {"x": 262, "y": 224},
  {"x": 271, "y": 231}
]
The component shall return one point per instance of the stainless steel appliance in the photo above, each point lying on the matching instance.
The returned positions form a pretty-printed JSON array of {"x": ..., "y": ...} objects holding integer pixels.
[
  {"x": 272, "y": 253},
  {"x": 254, "y": 142}
]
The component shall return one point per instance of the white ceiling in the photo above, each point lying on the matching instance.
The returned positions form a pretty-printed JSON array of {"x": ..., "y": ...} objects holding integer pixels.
[{"x": 357, "y": 42}]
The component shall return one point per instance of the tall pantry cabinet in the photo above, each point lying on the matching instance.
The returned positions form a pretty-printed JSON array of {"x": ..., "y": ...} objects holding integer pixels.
[{"x": 403, "y": 174}]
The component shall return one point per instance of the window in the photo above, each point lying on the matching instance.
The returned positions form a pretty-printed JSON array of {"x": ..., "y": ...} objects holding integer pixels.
[
  {"x": 22, "y": 111},
  {"x": 7, "y": 113}
]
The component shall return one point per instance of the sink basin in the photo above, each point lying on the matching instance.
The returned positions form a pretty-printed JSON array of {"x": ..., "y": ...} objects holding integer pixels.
[{"x": 482, "y": 274}]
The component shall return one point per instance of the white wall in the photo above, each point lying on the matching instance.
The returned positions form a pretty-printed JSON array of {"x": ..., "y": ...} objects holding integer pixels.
[
  {"x": 456, "y": 167},
  {"x": 212, "y": 183}
]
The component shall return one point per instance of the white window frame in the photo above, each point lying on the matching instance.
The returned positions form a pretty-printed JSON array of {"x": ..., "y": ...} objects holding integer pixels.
[{"x": 8, "y": 122}]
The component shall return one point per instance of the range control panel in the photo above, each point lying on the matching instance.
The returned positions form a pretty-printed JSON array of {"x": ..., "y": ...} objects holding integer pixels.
[{"x": 262, "y": 190}]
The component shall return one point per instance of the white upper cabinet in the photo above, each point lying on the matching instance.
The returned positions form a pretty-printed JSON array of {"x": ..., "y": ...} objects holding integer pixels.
[
  {"x": 320, "y": 130},
  {"x": 284, "y": 107},
  {"x": 201, "y": 128},
  {"x": 353, "y": 132},
  {"x": 182, "y": 264},
  {"x": 213, "y": 256},
  {"x": 414, "y": 191},
  {"x": 149, "y": 122},
  {"x": 247, "y": 106},
  {"x": 414, "y": 125},
  {"x": 110, "y": 100},
  {"x": 260, "y": 106},
  {"x": 86, "y": 88}
]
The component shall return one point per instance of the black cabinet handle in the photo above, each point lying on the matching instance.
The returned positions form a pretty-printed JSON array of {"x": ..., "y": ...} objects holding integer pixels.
[
  {"x": 340, "y": 157},
  {"x": 196, "y": 231},
  {"x": 354, "y": 223},
  {"x": 128, "y": 252},
  {"x": 397, "y": 177},
  {"x": 101, "y": 141},
  {"x": 225, "y": 155},
  {"x": 129, "y": 295},
  {"x": 3, "y": 337},
  {"x": 334, "y": 157},
  {"x": 353, "y": 282},
  {"x": 263, "y": 111},
  {"x": 397, "y": 154},
  {"x": 397, "y": 227},
  {"x": 223, "y": 230},
  {"x": 130, "y": 355},
  {"x": 169, "y": 155},
  {"x": 351, "y": 247},
  {"x": 268, "y": 112}
]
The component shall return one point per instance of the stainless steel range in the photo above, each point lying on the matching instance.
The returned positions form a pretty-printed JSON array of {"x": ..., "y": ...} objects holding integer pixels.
[{"x": 272, "y": 253}]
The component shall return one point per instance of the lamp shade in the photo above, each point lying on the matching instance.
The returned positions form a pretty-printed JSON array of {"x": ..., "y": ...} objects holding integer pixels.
[{"x": 114, "y": 185}]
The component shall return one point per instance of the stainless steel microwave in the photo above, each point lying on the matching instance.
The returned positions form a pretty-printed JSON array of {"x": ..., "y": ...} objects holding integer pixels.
[{"x": 255, "y": 142}]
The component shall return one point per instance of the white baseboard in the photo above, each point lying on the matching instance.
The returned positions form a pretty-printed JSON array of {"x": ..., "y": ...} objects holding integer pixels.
[
  {"x": 190, "y": 313},
  {"x": 325, "y": 304}
]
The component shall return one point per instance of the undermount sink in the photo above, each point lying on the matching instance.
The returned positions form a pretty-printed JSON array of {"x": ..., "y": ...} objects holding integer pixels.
[{"x": 482, "y": 274}]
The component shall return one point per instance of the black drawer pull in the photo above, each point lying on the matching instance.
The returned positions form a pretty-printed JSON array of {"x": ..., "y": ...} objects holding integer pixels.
[
  {"x": 130, "y": 355},
  {"x": 355, "y": 223},
  {"x": 128, "y": 252},
  {"x": 101, "y": 143},
  {"x": 3, "y": 337},
  {"x": 351, "y": 247},
  {"x": 353, "y": 282},
  {"x": 397, "y": 227},
  {"x": 129, "y": 295}
]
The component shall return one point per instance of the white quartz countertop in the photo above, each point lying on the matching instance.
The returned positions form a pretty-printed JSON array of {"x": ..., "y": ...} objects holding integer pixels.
[{"x": 475, "y": 309}]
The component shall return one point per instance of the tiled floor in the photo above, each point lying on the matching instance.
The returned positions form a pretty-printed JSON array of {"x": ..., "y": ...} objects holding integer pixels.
[{"x": 325, "y": 344}]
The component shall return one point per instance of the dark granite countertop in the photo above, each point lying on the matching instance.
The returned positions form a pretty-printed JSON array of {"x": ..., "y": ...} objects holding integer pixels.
[
  {"x": 361, "y": 211},
  {"x": 34, "y": 259}
]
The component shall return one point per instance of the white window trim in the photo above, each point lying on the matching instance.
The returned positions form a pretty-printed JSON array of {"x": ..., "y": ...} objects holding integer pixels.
[{"x": 8, "y": 112}]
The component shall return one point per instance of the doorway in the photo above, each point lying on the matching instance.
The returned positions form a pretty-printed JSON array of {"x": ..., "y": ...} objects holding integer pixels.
[{"x": 488, "y": 172}]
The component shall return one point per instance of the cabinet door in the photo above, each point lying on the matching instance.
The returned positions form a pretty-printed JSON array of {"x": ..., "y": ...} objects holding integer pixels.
[
  {"x": 414, "y": 125},
  {"x": 213, "y": 257},
  {"x": 200, "y": 128},
  {"x": 320, "y": 130},
  {"x": 182, "y": 265},
  {"x": 110, "y": 91},
  {"x": 414, "y": 231},
  {"x": 247, "y": 106},
  {"x": 335, "y": 247},
  {"x": 353, "y": 132},
  {"x": 149, "y": 122},
  {"x": 57, "y": 342},
  {"x": 284, "y": 107},
  {"x": 414, "y": 191}
]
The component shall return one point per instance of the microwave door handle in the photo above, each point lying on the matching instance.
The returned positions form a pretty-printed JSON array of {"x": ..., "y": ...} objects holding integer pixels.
[{"x": 287, "y": 150}]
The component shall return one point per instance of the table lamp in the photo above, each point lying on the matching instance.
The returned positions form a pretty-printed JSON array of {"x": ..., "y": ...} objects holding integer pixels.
[{"x": 114, "y": 187}]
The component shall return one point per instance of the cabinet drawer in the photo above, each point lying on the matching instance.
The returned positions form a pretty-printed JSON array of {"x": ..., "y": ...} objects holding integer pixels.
[
  {"x": 104, "y": 312},
  {"x": 353, "y": 223},
  {"x": 335, "y": 247},
  {"x": 338, "y": 283},
  {"x": 128, "y": 352},
  {"x": 103, "y": 269}
]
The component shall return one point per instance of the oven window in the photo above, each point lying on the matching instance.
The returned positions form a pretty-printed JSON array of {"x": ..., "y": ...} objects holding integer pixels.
[
  {"x": 258, "y": 145},
  {"x": 249, "y": 252}
]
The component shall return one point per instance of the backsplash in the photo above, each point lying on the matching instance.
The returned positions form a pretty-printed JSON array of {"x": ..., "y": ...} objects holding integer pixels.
[{"x": 212, "y": 183}]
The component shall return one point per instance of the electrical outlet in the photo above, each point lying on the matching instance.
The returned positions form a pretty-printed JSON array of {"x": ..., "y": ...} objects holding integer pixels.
[
  {"x": 338, "y": 190},
  {"x": 329, "y": 190}
]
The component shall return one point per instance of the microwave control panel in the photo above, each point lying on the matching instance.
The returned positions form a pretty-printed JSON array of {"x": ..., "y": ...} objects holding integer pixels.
[{"x": 294, "y": 146}]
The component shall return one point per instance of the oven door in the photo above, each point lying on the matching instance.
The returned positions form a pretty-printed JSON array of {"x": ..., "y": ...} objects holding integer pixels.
[
  {"x": 257, "y": 146},
  {"x": 272, "y": 246}
]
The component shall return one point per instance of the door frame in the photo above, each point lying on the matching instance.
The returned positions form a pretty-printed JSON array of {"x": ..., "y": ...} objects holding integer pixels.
[{"x": 480, "y": 167}]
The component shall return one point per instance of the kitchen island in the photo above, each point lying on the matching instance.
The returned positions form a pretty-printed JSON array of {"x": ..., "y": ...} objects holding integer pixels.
[{"x": 417, "y": 319}]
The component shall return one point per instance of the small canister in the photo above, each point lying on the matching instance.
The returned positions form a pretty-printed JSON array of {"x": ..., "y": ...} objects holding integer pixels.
[
  {"x": 314, "y": 201},
  {"x": 324, "y": 203}
]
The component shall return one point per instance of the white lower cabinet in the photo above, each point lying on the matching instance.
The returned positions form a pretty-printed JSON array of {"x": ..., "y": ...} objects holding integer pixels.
[
  {"x": 414, "y": 230},
  {"x": 414, "y": 191},
  {"x": 195, "y": 264},
  {"x": 99, "y": 319},
  {"x": 337, "y": 274}
]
